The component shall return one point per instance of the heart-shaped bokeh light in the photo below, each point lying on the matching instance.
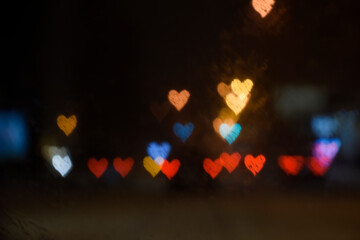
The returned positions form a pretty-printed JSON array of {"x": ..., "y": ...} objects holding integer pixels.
[
  {"x": 324, "y": 126},
  {"x": 170, "y": 168},
  {"x": 179, "y": 100},
  {"x": 183, "y": 131},
  {"x": 213, "y": 168},
  {"x": 157, "y": 151},
  {"x": 237, "y": 102},
  {"x": 239, "y": 87},
  {"x": 67, "y": 125},
  {"x": 123, "y": 167},
  {"x": 62, "y": 164},
  {"x": 254, "y": 164},
  {"x": 230, "y": 133},
  {"x": 151, "y": 166},
  {"x": 97, "y": 167},
  {"x": 263, "y": 7},
  {"x": 218, "y": 121},
  {"x": 230, "y": 162}
]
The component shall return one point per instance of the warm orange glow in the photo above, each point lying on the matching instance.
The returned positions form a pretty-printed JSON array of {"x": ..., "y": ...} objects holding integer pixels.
[
  {"x": 230, "y": 162},
  {"x": 237, "y": 102},
  {"x": 263, "y": 7},
  {"x": 254, "y": 164},
  {"x": 223, "y": 89},
  {"x": 239, "y": 87},
  {"x": 67, "y": 125},
  {"x": 123, "y": 166},
  {"x": 213, "y": 168},
  {"x": 226, "y": 113},
  {"x": 179, "y": 100},
  {"x": 217, "y": 122},
  {"x": 291, "y": 164},
  {"x": 151, "y": 166},
  {"x": 97, "y": 167},
  {"x": 170, "y": 168}
]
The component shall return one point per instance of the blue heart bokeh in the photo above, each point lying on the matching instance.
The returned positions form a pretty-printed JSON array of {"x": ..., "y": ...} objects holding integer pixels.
[
  {"x": 230, "y": 133},
  {"x": 158, "y": 150},
  {"x": 183, "y": 132}
]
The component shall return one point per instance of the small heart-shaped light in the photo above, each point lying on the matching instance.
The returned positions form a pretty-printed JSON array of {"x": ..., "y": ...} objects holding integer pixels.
[
  {"x": 237, "y": 102},
  {"x": 178, "y": 99},
  {"x": 239, "y": 87},
  {"x": 170, "y": 168},
  {"x": 183, "y": 131},
  {"x": 213, "y": 168},
  {"x": 254, "y": 164},
  {"x": 123, "y": 167},
  {"x": 67, "y": 125},
  {"x": 263, "y": 7},
  {"x": 151, "y": 166},
  {"x": 156, "y": 150},
  {"x": 230, "y": 133},
  {"x": 62, "y": 164}
]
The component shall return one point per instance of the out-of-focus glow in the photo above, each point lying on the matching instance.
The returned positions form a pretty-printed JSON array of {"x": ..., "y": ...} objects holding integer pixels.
[
  {"x": 62, "y": 164},
  {"x": 324, "y": 126},
  {"x": 223, "y": 89},
  {"x": 183, "y": 131},
  {"x": 230, "y": 162},
  {"x": 155, "y": 150},
  {"x": 97, "y": 167},
  {"x": 13, "y": 135},
  {"x": 325, "y": 150},
  {"x": 254, "y": 164},
  {"x": 230, "y": 133},
  {"x": 67, "y": 125},
  {"x": 237, "y": 102},
  {"x": 178, "y": 99},
  {"x": 291, "y": 164},
  {"x": 123, "y": 167},
  {"x": 160, "y": 110},
  {"x": 263, "y": 7},
  {"x": 213, "y": 168},
  {"x": 159, "y": 160},
  {"x": 170, "y": 168},
  {"x": 226, "y": 113},
  {"x": 316, "y": 166},
  {"x": 239, "y": 87},
  {"x": 151, "y": 166},
  {"x": 217, "y": 123}
]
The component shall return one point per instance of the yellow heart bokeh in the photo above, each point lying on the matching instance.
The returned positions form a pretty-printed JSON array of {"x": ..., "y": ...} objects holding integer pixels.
[
  {"x": 237, "y": 103},
  {"x": 239, "y": 87},
  {"x": 151, "y": 166},
  {"x": 67, "y": 125}
]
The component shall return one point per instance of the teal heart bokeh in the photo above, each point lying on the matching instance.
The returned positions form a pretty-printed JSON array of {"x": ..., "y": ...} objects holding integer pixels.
[{"x": 230, "y": 133}]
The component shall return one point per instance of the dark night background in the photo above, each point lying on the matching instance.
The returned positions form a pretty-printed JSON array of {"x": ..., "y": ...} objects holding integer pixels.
[{"x": 107, "y": 61}]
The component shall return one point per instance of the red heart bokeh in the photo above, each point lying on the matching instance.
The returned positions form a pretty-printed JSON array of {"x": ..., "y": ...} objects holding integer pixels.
[
  {"x": 317, "y": 167},
  {"x": 123, "y": 166},
  {"x": 254, "y": 164},
  {"x": 97, "y": 167},
  {"x": 291, "y": 164},
  {"x": 230, "y": 162},
  {"x": 213, "y": 168},
  {"x": 170, "y": 168}
]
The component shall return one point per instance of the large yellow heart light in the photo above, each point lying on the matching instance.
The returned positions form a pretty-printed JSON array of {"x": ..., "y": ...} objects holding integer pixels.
[
  {"x": 67, "y": 125},
  {"x": 239, "y": 87},
  {"x": 151, "y": 166},
  {"x": 236, "y": 103}
]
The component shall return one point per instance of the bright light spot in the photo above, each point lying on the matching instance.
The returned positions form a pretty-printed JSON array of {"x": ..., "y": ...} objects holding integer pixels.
[
  {"x": 178, "y": 99},
  {"x": 123, "y": 167},
  {"x": 213, "y": 168},
  {"x": 254, "y": 164},
  {"x": 67, "y": 125},
  {"x": 170, "y": 168},
  {"x": 291, "y": 164},
  {"x": 230, "y": 133},
  {"x": 263, "y": 7},
  {"x": 325, "y": 150},
  {"x": 62, "y": 164},
  {"x": 158, "y": 150},
  {"x": 239, "y": 87},
  {"x": 97, "y": 167},
  {"x": 151, "y": 166}
]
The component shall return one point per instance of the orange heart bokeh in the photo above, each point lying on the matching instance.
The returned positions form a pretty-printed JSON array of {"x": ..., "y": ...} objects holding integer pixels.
[
  {"x": 170, "y": 168},
  {"x": 213, "y": 168},
  {"x": 97, "y": 167},
  {"x": 254, "y": 164},
  {"x": 123, "y": 166},
  {"x": 223, "y": 89},
  {"x": 67, "y": 125},
  {"x": 230, "y": 162},
  {"x": 291, "y": 164},
  {"x": 178, "y": 99}
]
